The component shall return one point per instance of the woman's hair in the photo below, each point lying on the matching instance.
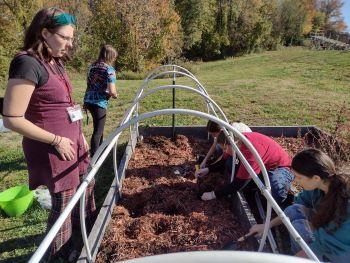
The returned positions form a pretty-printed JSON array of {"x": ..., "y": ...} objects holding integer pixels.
[
  {"x": 312, "y": 162},
  {"x": 34, "y": 43},
  {"x": 213, "y": 127},
  {"x": 108, "y": 54}
]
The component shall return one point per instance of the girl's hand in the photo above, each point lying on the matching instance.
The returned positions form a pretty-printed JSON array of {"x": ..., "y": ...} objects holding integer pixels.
[
  {"x": 65, "y": 149},
  {"x": 256, "y": 230},
  {"x": 201, "y": 172}
]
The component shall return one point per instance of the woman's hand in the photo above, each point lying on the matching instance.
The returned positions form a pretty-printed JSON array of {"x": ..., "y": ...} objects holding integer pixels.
[
  {"x": 65, "y": 149},
  {"x": 201, "y": 172},
  {"x": 256, "y": 230}
]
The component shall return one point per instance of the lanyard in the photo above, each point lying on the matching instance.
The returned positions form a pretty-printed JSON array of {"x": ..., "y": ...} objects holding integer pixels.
[{"x": 57, "y": 71}]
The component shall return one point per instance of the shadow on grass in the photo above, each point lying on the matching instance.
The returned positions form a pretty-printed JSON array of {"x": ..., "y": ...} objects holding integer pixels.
[
  {"x": 13, "y": 165},
  {"x": 20, "y": 243},
  {"x": 19, "y": 259},
  {"x": 17, "y": 227}
]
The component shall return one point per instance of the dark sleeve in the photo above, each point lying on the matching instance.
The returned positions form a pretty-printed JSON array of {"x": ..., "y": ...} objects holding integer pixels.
[
  {"x": 236, "y": 185},
  {"x": 28, "y": 68},
  {"x": 217, "y": 166}
]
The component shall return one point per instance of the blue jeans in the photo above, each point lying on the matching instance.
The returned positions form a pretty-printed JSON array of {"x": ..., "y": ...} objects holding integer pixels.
[
  {"x": 280, "y": 179},
  {"x": 298, "y": 216}
]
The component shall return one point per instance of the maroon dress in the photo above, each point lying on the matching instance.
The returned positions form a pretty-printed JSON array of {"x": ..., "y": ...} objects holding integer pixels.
[{"x": 47, "y": 109}]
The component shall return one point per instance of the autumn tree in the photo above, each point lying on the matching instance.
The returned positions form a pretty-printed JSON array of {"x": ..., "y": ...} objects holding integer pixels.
[
  {"x": 249, "y": 24},
  {"x": 333, "y": 19},
  {"x": 197, "y": 21},
  {"x": 292, "y": 20},
  {"x": 311, "y": 15},
  {"x": 15, "y": 17},
  {"x": 150, "y": 32},
  {"x": 318, "y": 21}
]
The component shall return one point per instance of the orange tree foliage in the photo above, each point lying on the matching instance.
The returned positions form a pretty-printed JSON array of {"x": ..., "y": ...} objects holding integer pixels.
[
  {"x": 311, "y": 12},
  {"x": 333, "y": 19},
  {"x": 145, "y": 33}
]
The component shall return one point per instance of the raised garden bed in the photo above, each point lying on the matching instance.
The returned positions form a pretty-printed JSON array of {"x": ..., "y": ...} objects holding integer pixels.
[{"x": 160, "y": 211}]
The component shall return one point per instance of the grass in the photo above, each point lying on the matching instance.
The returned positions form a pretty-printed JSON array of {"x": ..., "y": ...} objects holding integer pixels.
[{"x": 292, "y": 86}]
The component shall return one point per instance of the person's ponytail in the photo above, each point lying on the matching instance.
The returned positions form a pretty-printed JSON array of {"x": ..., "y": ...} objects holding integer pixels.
[{"x": 334, "y": 205}]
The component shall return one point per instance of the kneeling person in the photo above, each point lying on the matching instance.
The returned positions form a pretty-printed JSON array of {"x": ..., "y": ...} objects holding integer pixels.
[
  {"x": 274, "y": 157},
  {"x": 321, "y": 212},
  {"x": 214, "y": 130}
]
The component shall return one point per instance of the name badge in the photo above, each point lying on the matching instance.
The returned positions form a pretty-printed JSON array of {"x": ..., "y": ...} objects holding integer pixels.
[{"x": 75, "y": 113}]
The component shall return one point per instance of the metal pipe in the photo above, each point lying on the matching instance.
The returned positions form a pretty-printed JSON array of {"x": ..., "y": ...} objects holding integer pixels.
[
  {"x": 115, "y": 162},
  {"x": 83, "y": 226},
  {"x": 184, "y": 72},
  {"x": 219, "y": 256},
  {"x": 263, "y": 217},
  {"x": 183, "y": 88},
  {"x": 167, "y": 66},
  {"x": 173, "y": 116}
]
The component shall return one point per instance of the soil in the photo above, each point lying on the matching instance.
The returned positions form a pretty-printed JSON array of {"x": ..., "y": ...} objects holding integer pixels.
[{"x": 160, "y": 211}]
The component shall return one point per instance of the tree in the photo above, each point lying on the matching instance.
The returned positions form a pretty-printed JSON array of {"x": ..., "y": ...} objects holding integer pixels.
[
  {"x": 197, "y": 22},
  {"x": 250, "y": 24},
  {"x": 145, "y": 33},
  {"x": 14, "y": 19},
  {"x": 333, "y": 19},
  {"x": 292, "y": 20},
  {"x": 311, "y": 13},
  {"x": 318, "y": 21}
]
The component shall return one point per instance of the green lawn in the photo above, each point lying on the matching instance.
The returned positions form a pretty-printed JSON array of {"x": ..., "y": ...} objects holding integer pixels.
[{"x": 292, "y": 86}]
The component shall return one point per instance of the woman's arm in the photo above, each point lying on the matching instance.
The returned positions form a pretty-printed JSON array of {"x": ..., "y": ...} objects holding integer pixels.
[{"x": 17, "y": 97}]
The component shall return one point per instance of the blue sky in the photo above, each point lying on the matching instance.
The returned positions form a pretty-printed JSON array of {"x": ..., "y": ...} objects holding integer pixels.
[{"x": 346, "y": 13}]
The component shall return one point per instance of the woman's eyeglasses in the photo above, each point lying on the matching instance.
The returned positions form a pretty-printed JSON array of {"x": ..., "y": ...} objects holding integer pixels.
[{"x": 68, "y": 39}]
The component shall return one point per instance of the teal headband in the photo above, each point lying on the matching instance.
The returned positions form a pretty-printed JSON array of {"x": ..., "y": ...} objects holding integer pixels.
[{"x": 65, "y": 19}]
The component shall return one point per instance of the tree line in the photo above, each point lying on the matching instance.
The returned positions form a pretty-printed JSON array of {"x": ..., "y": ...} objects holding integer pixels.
[{"x": 147, "y": 33}]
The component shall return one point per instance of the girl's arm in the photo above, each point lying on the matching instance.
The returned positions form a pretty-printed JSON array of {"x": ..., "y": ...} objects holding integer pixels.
[
  {"x": 258, "y": 229},
  {"x": 209, "y": 154},
  {"x": 17, "y": 97},
  {"x": 112, "y": 90},
  {"x": 301, "y": 254},
  {"x": 111, "y": 82}
]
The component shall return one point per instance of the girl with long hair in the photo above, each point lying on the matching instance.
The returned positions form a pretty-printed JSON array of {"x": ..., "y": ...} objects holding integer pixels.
[
  {"x": 101, "y": 79},
  {"x": 321, "y": 212}
]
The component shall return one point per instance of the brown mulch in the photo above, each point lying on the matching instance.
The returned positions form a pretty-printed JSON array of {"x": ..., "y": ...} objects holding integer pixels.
[{"x": 160, "y": 211}]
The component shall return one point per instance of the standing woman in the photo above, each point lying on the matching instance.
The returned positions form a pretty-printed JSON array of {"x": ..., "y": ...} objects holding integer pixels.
[
  {"x": 321, "y": 213},
  {"x": 101, "y": 80},
  {"x": 39, "y": 105}
]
